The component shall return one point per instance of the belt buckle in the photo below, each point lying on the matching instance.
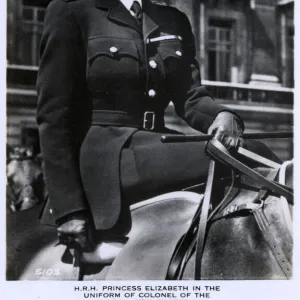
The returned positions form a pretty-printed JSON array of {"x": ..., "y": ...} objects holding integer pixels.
[{"x": 149, "y": 120}]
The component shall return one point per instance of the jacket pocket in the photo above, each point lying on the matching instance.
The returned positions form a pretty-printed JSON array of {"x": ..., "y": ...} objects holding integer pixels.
[
  {"x": 113, "y": 48},
  {"x": 112, "y": 59}
]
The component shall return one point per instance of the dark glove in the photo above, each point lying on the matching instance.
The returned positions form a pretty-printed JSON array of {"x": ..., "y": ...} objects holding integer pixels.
[
  {"x": 227, "y": 129},
  {"x": 76, "y": 231}
]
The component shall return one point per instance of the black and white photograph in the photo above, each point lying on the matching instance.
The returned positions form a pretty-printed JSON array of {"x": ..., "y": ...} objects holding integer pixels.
[{"x": 149, "y": 140}]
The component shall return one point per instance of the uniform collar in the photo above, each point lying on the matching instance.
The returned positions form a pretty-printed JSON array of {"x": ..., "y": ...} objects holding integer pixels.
[
  {"x": 119, "y": 13},
  {"x": 128, "y": 3},
  {"x": 151, "y": 13}
]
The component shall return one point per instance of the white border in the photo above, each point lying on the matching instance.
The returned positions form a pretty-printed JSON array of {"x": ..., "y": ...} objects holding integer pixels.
[{"x": 230, "y": 290}]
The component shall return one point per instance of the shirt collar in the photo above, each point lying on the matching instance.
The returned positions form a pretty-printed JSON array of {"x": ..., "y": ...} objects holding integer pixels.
[{"x": 128, "y": 3}]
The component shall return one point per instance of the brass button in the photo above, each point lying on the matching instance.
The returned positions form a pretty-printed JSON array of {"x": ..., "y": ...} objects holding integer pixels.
[
  {"x": 113, "y": 49},
  {"x": 153, "y": 64},
  {"x": 151, "y": 93},
  {"x": 180, "y": 38},
  {"x": 179, "y": 53},
  {"x": 50, "y": 211}
]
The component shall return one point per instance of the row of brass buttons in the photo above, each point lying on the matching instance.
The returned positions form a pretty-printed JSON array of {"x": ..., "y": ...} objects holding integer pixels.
[{"x": 152, "y": 63}]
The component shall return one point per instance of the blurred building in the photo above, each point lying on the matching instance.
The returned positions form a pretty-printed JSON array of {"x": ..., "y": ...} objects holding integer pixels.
[
  {"x": 244, "y": 47},
  {"x": 243, "y": 41}
]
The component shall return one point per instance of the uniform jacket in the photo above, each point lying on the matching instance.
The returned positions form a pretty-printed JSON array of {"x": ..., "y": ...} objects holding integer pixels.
[{"x": 94, "y": 56}]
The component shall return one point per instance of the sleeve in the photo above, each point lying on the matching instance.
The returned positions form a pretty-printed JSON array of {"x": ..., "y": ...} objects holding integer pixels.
[
  {"x": 60, "y": 87},
  {"x": 192, "y": 101}
]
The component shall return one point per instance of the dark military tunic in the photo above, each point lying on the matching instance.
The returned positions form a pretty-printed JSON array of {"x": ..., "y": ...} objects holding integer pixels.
[{"x": 95, "y": 57}]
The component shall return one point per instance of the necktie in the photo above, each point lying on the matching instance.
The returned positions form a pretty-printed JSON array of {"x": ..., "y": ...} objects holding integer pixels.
[{"x": 137, "y": 10}]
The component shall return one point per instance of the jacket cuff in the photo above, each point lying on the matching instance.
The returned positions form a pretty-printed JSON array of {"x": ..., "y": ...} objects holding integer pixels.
[{"x": 237, "y": 117}]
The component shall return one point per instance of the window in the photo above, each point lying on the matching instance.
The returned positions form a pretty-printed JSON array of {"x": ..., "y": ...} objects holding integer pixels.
[
  {"x": 220, "y": 50},
  {"x": 286, "y": 15},
  {"x": 32, "y": 26},
  {"x": 290, "y": 55}
]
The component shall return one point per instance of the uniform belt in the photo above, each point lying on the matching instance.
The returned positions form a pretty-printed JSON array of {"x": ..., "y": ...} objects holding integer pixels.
[{"x": 148, "y": 121}]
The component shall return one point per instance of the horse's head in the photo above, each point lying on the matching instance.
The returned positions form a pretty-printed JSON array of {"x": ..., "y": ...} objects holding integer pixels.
[{"x": 25, "y": 184}]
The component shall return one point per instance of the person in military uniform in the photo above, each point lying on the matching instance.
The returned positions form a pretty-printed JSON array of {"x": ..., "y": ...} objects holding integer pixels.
[{"x": 108, "y": 70}]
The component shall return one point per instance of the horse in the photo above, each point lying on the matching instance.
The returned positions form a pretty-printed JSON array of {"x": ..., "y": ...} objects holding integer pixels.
[
  {"x": 25, "y": 184},
  {"x": 247, "y": 235}
]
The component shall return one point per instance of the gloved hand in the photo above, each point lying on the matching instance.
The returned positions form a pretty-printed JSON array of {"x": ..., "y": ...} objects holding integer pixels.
[
  {"x": 227, "y": 129},
  {"x": 76, "y": 231}
]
